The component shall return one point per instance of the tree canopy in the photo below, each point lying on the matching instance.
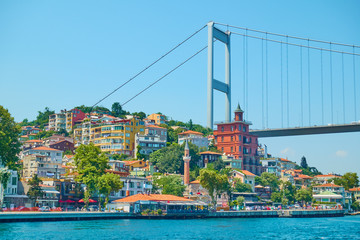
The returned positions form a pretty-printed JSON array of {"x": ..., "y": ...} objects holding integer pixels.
[
  {"x": 91, "y": 164},
  {"x": 214, "y": 183},
  {"x": 35, "y": 190},
  {"x": 108, "y": 183},
  {"x": 242, "y": 187},
  {"x": 170, "y": 159},
  {"x": 9, "y": 143},
  {"x": 348, "y": 180},
  {"x": 268, "y": 179},
  {"x": 171, "y": 184}
]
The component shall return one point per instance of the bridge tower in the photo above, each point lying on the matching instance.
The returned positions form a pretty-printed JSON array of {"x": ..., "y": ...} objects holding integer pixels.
[{"x": 224, "y": 37}]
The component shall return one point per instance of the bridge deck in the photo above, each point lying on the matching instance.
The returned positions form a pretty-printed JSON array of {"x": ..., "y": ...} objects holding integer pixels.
[{"x": 280, "y": 132}]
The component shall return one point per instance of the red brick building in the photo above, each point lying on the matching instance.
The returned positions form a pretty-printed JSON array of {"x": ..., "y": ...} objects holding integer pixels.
[{"x": 233, "y": 138}]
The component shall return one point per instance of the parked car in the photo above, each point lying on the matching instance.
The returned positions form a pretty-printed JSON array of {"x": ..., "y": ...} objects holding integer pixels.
[{"x": 44, "y": 209}]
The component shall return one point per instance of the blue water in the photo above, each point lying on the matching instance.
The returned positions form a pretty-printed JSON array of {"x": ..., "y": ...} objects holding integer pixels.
[{"x": 240, "y": 228}]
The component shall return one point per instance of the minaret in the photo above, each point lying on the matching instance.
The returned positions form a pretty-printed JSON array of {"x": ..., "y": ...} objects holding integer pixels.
[{"x": 186, "y": 159}]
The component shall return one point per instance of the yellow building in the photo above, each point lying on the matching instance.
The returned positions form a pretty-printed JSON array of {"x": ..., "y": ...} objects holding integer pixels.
[
  {"x": 157, "y": 118},
  {"x": 117, "y": 137}
]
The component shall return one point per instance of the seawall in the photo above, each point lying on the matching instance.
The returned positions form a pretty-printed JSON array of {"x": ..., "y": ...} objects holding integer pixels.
[{"x": 77, "y": 216}]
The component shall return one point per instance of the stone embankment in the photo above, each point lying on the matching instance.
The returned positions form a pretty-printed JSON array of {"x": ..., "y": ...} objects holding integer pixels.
[{"x": 76, "y": 216}]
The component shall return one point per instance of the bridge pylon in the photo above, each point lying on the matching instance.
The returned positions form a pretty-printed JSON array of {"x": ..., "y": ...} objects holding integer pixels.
[{"x": 225, "y": 87}]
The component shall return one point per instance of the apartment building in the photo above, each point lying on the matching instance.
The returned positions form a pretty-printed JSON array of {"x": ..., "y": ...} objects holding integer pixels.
[
  {"x": 157, "y": 118},
  {"x": 233, "y": 138}
]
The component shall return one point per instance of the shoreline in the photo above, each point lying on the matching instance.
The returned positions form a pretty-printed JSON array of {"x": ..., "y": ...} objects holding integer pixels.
[{"x": 79, "y": 216}]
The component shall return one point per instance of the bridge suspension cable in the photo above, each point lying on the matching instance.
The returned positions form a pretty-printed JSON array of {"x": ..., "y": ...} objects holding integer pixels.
[
  {"x": 288, "y": 36},
  {"x": 149, "y": 66},
  {"x": 158, "y": 80},
  {"x": 354, "y": 74},
  {"x": 294, "y": 44}
]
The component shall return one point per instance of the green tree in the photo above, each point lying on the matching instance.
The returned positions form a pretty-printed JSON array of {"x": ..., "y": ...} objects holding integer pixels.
[
  {"x": 303, "y": 163},
  {"x": 9, "y": 143},
  {"x": 139, "y": 155},
  {"x": 43, "y": 117},
  {"x": 214, "y": 183},
  {"x": 242, "y": 187},
  {"x": 170, "y": 159},
  {"x": 91, "y": 164},
  {"x": 117, "y": 111},
  {"x": 140, "y": 115},
  {"x": 35, "y": 190},
  {"x": 348, "y": 180},
  {"x": 108, "y": 183},
  {"x": 269, "y": 179},
  {"x": 171, "y": 184},
  {"x": 120, "y": 157},
  {"x": 288, "y": 191},
  {"x": 276, "y": 197},
  {"x": 304, "y": 195},
  {"x": 190, "y": 125},
  {"x": 240, "y": 200}
]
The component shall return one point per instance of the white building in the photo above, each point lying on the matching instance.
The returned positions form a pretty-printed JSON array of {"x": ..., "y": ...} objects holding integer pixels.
[{"x": 194, "y": 137}]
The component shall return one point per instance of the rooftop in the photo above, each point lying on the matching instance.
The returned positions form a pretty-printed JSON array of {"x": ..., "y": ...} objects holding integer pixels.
[
  {"x": 328, "y": 185},
  {"x": 209, "y": 152},
  {"x": 247, "y": 173},
  {"x": 45, "y": 149},
  {"x": 151, "y": 197},
  {"x": 191, "y": 132}
]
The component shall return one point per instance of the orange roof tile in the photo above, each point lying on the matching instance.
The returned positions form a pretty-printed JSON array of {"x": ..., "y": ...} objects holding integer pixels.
[
  {"x": 284, "y": 160},
  {"x": 191, "y": 132},
  {"x": 43, "y": 185},
  {"x": 354, "y": 189},
  {"x": 69, "y": 156},
  {"x": 131, "y": 162},
  {"x": 328, "y": 185},
  {"x": 34, "y": 140},
  {"x": 209, "y": 152},
  {"x": 328, "y": 175},
  {"x": 303, "y": 176},
  {"x": 247, "y": 173},
  {"x": 195, "y": 182},
  {"x": 117, "y": 172},
  {"x": 45, "y": 149},
  {"x": 151, "y": 197},
  {"x": 298, "y": 170}
]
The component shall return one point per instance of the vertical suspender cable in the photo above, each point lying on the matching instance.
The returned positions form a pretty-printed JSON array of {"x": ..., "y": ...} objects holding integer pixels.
[
  {"x": 247, "y": 78},
  {"x": 266, "y": 83},
  {"x": 262, "y": 83},
  {"x": 322, "y": 88},
  {"x": 343, "y": 85},
  {"x": 331, "y": 88},
  {"x": 244, "y": 77},
  {"x": 287, "y": 80},
  {"x": 281, "y": 85},
  {"x": 354, "y": 84},
  {"x": 301, "y": 88},
  {"x": 309, "y": 86}
]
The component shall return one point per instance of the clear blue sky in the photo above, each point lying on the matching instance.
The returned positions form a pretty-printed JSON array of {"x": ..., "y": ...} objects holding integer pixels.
[{"x": 60, "y": 54}]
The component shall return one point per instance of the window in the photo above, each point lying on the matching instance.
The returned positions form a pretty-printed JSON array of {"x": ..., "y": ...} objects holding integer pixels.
[
  {"x": 222, "y": 139},
  {"x": 239, "y": 138},
  {"x": 127, "y": 134},
  {"x": 240, "y": 128},
  {"x": 13, "y": 181},
  {"x": 232, "y": 138},
  {"x": 232, "y": 128},
  {"x": 222, "y": 149},
  {"x": 239, "y": 148},
  {"x": 222, "y": 129},
  {"x": 231, "y": 149},
  {"x": 244, "y": 129}
]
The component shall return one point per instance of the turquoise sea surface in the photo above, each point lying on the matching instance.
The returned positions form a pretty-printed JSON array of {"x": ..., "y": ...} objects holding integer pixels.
[{"x": 228, "y": 228}]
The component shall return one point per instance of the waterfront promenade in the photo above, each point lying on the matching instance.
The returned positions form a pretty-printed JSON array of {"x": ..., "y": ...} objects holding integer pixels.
[{"x": 76, "y": 216}]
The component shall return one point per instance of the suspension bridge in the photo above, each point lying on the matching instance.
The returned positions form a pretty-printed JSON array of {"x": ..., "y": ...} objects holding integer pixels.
[{"x": 306, "y": 86}]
